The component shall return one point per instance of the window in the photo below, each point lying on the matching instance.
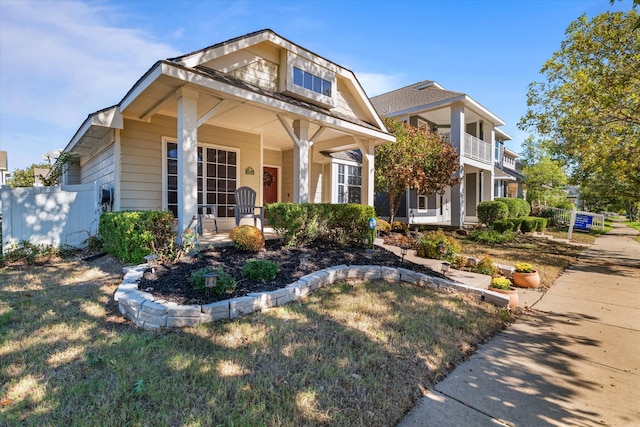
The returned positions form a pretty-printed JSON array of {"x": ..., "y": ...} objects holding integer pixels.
[
  {"x": 217, "y": 179},
  {"x": 349, "y": 184},
  {"x": 311, "y": 82},
  {"x": 422, "y": 203}
]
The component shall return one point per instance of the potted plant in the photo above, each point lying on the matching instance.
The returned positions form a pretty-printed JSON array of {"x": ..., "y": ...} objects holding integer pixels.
[
  {"x": 502, "y": 285},
  {"x": 526, "y": 276}
]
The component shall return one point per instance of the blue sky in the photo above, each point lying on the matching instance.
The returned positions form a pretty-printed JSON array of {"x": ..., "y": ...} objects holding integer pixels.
[{"x": 61, "y": 60}]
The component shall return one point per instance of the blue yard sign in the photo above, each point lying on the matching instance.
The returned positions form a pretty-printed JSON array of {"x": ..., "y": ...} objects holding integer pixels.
[{"x": 583, "y": 222}]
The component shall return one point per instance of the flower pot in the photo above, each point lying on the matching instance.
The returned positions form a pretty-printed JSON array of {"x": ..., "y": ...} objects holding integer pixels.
[
  {"x": 512, "y": 293},
  {"x": 526, "y": 280}
]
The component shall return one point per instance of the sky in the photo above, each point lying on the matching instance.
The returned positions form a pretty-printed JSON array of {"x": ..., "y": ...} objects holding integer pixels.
[{"x": 62, "y": 60}]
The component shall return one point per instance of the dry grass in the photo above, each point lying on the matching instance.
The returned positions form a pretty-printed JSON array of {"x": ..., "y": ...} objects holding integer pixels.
[{"x": 350, "y": 354}]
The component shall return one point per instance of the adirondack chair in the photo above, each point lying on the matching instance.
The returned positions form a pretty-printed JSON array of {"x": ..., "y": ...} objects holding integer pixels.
[
  {"x": 246, "y": 206},
  {"x": 206, "y": 212}
]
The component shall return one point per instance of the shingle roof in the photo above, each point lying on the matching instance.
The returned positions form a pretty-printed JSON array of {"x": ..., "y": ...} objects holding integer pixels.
[{"x": 415, "y": 95}]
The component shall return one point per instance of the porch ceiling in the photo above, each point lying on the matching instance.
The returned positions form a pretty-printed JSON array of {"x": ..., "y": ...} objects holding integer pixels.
[
  {"x": 238, "y": 112},
  {"x": 442, "y": 116}
]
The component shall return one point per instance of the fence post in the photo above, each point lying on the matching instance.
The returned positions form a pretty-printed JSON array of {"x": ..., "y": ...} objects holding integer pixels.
[
  {"x": 7, "y": 232},
  {"x": 572, "y": 222}
]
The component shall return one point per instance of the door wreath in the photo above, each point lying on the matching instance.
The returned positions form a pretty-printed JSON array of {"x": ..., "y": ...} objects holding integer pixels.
[{"x": 267, "y": 179}]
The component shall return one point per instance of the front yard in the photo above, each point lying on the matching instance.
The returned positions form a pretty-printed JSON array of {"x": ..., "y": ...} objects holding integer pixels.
[{"x": 350, "y": 354}]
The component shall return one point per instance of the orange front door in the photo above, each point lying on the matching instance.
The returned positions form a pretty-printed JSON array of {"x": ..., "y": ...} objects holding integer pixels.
[{"x": 269, "y": 185}]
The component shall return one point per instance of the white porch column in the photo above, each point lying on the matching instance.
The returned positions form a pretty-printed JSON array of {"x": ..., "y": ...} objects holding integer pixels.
[
  {"x": 187, "y": 157},
  {"x": 367, "y": 148},
  {"x": 457, "y": 140},
  {"x": 301, "y": 171},
  {"x": 492, "y": 183}
]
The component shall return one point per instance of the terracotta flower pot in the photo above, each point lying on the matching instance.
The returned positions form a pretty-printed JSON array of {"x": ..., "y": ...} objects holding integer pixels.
[
  {"x": 526, "y": 280},
  {"x": 512, "y": 293}
]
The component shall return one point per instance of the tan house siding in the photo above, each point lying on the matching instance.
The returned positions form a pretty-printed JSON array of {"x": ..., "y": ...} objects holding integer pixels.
[
  {"x": 272, "y": 158},
  {"x": 141, "y": 145},
  {"x": 316, "y": 187},
  {"x": 99, "y": 168},
  {"x": 262, "y": 73},
  {"x": 287, "y": 178}
]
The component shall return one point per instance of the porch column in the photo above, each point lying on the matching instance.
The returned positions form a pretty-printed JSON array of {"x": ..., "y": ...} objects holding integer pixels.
[
  {"x": 301, "y": 149},
  {"x": 367, "y": 148},
  {"x": 187, "y": 157},
  {"x": 457, "y": 141},
  {"x": 492, "y": 183}
]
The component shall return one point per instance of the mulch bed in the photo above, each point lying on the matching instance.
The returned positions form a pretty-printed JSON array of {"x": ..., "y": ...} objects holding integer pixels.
[{"x": 171, "y": 282}]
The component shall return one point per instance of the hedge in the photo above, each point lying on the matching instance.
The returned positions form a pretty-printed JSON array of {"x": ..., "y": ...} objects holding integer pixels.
[
  {"x": 503, "y": 225},
  {"x": 346, "y": 224},
  {"x": 529, "y": 224},
  {"x": 491, "y": 211}
]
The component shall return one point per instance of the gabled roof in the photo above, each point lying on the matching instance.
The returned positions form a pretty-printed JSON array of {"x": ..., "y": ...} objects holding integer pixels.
[
  {"x": 418, "y": 94},
  {"x": 424, "y": 96}
]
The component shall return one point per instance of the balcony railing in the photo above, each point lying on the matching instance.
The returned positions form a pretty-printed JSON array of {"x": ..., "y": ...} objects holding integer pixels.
[
  {"x": 477, "y": 149},
  {"x": 473, "y": 148}
]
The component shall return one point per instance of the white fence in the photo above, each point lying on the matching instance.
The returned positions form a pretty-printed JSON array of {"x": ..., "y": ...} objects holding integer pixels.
[
  {"x": 59, "y": 216},
  {"x": 563, "y": 216}
]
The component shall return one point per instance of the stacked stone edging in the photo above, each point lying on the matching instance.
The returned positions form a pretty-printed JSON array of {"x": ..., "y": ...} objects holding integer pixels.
[{"x": 150, "y": 313}]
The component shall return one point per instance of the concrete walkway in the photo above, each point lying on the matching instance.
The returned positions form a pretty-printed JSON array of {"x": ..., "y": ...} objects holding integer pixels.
[{"x": 574, "y": 360}]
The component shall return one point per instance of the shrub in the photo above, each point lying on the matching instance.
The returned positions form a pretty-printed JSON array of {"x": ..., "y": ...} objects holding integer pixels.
[
  {"x": 459, "y": 261},
  {"x": 502, "y": 225},
  {"x": 501, "y": 283},
  {"x": 485, "y": 266},
  {"x": 517, "y": 223},
  {"x": 428, "y": 246},
  {"x": 304, "y": 222},
  {"x": 491, "y": 211},
  {"x": 132, "y": 235},
  {"x": 512, "y": 205},
  {"x": 492, "y": 236},
  {"x": 224, "y": 283},
  {"x": 399, "y": 227},
  {"x": 247, "y": 238},
  {"x": 524, "y": 208},
  {"x": 529, "y": 224},
  {"x": 260, "y": 269},
  {"x": 383, "y": 226},
  {"x": 541, "y": 224}
]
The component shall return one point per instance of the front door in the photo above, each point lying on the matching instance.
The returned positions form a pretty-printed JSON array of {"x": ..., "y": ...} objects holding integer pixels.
[{"x": 269, "y": 185}]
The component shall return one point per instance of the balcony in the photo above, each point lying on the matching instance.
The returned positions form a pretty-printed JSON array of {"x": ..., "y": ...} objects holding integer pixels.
[{"x": 473, "y": 148}]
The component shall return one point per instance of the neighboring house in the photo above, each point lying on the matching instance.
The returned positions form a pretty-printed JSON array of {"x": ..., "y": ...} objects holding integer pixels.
[
  {"x": 4, "y": 168},
  {"x": 507, "y": 178},
  {"x": 469, "y": 127},
  {"x": 257, "y": 111}
]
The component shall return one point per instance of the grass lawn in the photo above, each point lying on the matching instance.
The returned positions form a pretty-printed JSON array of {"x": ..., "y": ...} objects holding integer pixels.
[{"x": 357, "y": 354}]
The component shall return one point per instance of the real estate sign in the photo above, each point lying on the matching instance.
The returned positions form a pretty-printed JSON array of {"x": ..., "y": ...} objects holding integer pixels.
[{"x": 583, "y": 222}]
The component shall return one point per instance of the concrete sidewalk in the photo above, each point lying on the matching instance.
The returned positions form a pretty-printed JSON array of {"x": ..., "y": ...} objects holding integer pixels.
[{"x": 573, "y": 361}]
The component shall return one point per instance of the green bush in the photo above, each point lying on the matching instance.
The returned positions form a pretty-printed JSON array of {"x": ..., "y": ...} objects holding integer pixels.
[
  {"x": 247, "y": 238},
  {"x": 427, "y": 247},
  {"x": 502, "y": 225},
  {"x": 491, "y": 211},
  {"x": 260, "y": 269},
  {"x": 512, "y": 205},
  {"x": 224, "y": 283},
  {"x": 132, "y": 235},
  {"x": 399, "y": 227},
  {"x": 541, "y": 224},
  {"x": 485, "y": 266},
  {"x": 517, "y": 223},
  {"x": 492, "y": 236},
  {"x": 346, "y": 224},
  {"x": 529, "y": 224},
  {"x": 524, "y": 208}
]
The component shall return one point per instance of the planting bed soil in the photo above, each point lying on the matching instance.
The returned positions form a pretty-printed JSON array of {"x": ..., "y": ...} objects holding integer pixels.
[{"x": 171, "y": 282}]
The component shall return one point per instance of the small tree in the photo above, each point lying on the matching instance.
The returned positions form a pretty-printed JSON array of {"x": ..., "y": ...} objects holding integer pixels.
[
  {"x": 419, "y": 160},
  {"x": 25, "y": 177}
]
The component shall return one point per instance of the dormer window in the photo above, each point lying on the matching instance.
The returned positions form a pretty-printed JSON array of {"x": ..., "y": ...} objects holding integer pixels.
[
  {"x": 311, "y": 82},
  {"x": 308, "y": 80}
]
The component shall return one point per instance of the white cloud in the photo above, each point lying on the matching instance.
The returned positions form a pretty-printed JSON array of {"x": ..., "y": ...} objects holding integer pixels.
[
  {"x": 377, "y": 83},
  {"x": 60, "y": 61}
]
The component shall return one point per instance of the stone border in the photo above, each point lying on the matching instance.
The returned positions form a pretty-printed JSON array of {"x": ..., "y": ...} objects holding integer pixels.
[{"x": 150, "y": 313}]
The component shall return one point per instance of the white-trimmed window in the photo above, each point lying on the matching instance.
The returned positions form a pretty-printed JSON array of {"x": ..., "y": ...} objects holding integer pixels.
[
  {"x": 217, "y": 178},
  {"x": 349, "y": 183},
  {"x": 309, "y": 80}
]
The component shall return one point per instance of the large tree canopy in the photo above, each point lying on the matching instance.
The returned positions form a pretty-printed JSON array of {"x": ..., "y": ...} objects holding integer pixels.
[
  {"x": 589, "y": 105},
  {"x": 418, "y": 160}
]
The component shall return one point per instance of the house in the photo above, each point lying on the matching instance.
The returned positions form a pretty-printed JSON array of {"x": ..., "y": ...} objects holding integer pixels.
[
  {"x": 507, "y": 178},
  {"x": 257, "y": 110},
  {"x": 469, "y": 127},
  {"x": 4, "y": 168}
]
